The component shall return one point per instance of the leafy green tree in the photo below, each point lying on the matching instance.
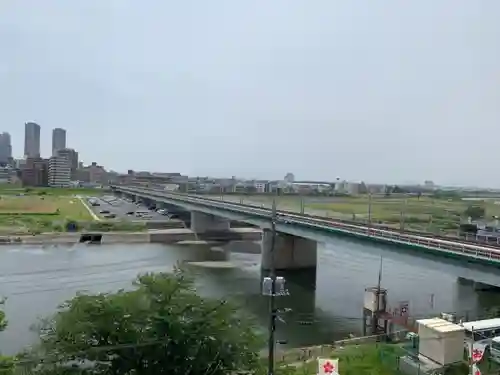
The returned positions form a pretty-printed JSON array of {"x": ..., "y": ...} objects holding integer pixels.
[
  {"x": 362, "y": 188},
  {"x": 3, "y": 321},
  {"x": 397, "y": 190},
  {"x": 475, "y": 212},
  {"x": 388, "y": 190},
  {"x": 161, "y": 327},
  {"x": 446, "y": 194},
  {"x": 6, "y": 363}
]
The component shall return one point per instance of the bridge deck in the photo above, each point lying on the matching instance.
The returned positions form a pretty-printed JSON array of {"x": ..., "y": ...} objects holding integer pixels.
[{"x": 309, "y": 226}]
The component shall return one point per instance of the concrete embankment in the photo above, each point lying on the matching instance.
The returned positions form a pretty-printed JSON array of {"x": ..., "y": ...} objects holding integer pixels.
[
  {"x": 167, "y": 236},
  {"x": 71, "y": 238}
]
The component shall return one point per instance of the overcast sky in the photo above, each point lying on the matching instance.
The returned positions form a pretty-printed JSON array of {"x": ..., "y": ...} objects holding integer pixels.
[{"x": 381, "y": 91}]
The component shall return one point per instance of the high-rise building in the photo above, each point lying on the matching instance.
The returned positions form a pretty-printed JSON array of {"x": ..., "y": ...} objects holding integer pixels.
[
  {"x": 58, "y": 140},
  {"x": 5, "y": 148},
  {"x": 59, "y": 172},
  {"x": 72, "y": 157},
  {"x": 31, "y": 140}
]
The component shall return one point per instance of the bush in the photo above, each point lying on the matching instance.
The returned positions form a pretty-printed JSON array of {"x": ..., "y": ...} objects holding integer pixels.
[{"x": 475, "y": 212}]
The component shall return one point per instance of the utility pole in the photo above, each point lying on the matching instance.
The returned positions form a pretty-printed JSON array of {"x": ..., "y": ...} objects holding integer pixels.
[
  {"x": 273, "y": 286},
  {"x": 402, "y": 217},
  {"x": 272, "y": 302},
  {"x": 375, "y": 321},
  {"x": 369, "y": 209}
]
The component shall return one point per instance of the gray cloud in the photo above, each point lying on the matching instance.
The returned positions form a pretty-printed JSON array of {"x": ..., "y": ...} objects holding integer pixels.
[{"x": 376, "y": 91}]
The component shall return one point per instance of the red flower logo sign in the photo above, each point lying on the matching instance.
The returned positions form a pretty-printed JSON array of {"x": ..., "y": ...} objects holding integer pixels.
[
  {"x": 477, "y": 355},
  {"x": 328, "y": 368}
]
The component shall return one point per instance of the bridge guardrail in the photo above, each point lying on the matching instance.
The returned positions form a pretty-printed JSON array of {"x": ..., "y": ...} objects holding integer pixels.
[
  {"x": 461, "y": 249},
  {"x": 469, "y": 239},
  {"x": 444, "y": 242}
]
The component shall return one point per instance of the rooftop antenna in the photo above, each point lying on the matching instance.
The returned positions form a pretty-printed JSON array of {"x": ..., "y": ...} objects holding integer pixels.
[{"x": 380, "y": 275}]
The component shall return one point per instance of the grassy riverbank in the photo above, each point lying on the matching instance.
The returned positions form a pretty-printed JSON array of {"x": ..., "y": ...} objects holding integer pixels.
[
  {"x": 39, "y": 210},
  {"x": 371, "y": 359},
  {"x": 27, "y": 213},
  {"x": 8, "y": 189},
  {"x": 379, "y": 359},
  {"x": 429, "y": 214}
]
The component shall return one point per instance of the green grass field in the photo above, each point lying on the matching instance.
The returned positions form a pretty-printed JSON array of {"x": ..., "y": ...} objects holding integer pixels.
[
  {"x": 39, "y": 213},
  {"x": 424, "y": 213},
  {"x": 8, "y": 189},
  {"x": 371, "y": 359}
]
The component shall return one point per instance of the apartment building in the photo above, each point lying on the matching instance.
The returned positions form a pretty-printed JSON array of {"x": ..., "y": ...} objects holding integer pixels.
[
  {"x": 261, "y": 186},
  {"x": 97, "y": 173},
  {"x": 59, "y": 172},
  {"x": 34, "y": 172},
  {"x": 72, "y": 157}
]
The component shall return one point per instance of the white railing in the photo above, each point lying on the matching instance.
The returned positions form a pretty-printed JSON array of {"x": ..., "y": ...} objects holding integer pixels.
[{"x": 460, "y": 248}]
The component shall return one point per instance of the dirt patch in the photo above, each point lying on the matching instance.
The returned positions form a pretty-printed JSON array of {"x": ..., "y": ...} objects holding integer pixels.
[{"x": 27, "y": 205}]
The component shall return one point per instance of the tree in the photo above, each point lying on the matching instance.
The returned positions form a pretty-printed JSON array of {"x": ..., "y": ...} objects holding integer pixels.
[
  {"x": 387, "y": 190},
  {"x": 161, "y": 327},
  {"x": 397, "y": 190},
  {"x": 3, "y": 321},
  {"x": 475, "y": 212},
  {"x": 446, "y": 194},
  {"x": 362, "y": 188},
  {"x": 6, "y": 363}
]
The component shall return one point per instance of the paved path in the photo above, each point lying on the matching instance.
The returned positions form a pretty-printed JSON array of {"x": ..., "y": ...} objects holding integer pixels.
[{"x": 83, "y": 201}]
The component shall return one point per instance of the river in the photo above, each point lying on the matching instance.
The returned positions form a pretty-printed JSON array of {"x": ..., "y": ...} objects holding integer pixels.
[{"x": 36, "y": 279}]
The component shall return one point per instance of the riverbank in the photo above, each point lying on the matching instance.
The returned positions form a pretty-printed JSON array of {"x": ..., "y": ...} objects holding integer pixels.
[
  {"x": 376, "y": 358},
  {"x": 435, "y": 215},
  {"x": 168, "y": 236}
]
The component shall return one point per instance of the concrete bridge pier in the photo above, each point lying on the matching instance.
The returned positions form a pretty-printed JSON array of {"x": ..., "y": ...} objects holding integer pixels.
[
  {"x": 203, "y": 223},
  {"x": 290, "y": 252}
]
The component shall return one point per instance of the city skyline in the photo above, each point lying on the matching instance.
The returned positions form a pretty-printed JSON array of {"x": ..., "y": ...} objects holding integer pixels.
[
  {"x": 32, "y": 147},
  {"x": 374, "y": 92}
]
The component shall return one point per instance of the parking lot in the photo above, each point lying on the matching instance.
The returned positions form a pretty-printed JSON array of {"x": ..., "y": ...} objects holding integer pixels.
[{"x": 111, "y": 207}]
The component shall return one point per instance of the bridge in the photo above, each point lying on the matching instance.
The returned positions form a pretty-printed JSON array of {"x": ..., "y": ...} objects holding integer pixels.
[{"x": 296, "y": 242}]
